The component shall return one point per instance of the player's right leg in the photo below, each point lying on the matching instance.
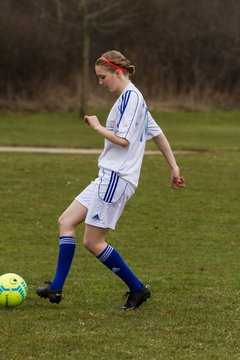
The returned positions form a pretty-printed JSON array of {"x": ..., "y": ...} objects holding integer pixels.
[
  {"x": 74, "y": 215},
  {"x": 68, "y": 222}
]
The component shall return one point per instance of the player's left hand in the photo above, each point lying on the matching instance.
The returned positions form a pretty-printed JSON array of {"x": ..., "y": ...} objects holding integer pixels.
[{"x": 178, "y": 182}]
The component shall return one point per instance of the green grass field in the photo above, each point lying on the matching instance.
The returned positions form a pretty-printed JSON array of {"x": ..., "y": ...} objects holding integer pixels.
[
  {"x": 185, "y": 244},
  {"x": 211, "y": 131}
]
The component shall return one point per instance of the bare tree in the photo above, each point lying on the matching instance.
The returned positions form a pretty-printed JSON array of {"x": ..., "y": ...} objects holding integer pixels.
[
  {"x": 85, "y": 58},
  {"x": 101, "y": 17},
  {"x": 89, "y": 17},
  {"x": 181, "y": 47}
]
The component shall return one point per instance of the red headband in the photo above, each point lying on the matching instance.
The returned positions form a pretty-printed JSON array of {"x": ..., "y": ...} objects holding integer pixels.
[{"x": 112, "y": 64}]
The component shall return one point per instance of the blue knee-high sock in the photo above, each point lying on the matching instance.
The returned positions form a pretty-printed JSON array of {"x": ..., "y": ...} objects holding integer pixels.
[
  {"x": 67, "y": 245},
  {"x": 111, "y": 258}
]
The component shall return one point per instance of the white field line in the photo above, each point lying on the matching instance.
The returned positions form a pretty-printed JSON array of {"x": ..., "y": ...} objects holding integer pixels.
[{"x": 53, "y": 150}]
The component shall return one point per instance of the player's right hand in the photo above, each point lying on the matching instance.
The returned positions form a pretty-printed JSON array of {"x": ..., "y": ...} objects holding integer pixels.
[{"x": 92, "y": 121}]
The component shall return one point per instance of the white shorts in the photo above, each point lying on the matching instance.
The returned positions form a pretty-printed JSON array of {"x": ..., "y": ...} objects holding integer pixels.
[{"x": 105, "y": 199}]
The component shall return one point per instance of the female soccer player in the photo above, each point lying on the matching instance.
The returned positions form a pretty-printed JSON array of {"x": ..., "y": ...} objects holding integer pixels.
[{"x": 100, "y": 204}]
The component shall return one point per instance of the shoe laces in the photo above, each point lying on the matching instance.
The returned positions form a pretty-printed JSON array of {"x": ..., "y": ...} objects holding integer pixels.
[{"x": 126, "y": 294}]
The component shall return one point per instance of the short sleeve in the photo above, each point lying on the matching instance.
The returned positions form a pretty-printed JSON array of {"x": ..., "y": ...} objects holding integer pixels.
[
  {"x": 128, "y": 106},
  {"x": 153, "y": 129}
]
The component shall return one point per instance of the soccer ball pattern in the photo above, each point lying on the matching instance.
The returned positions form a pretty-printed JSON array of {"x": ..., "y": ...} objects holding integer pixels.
[{"x": 13, "y": 290}]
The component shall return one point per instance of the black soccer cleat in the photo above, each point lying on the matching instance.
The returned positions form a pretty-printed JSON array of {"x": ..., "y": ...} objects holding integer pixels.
[
  {"x": 45, "y": 292},
  {"x": 135, "y": 299}
]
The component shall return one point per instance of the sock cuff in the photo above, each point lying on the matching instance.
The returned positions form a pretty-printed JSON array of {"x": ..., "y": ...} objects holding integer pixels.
[
  {"x": 67, "y": 240},
  {"x": 105, "y": 254}
]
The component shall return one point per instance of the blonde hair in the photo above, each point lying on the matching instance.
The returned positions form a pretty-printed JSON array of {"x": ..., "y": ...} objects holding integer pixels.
[{"x": 118, "y": 59}]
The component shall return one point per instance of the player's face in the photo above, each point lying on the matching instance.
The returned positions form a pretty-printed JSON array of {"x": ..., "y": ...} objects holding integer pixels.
[{"x": 107, "y": 78}]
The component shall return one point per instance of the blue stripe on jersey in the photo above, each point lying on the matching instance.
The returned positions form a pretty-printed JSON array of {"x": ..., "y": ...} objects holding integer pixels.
[
  {"x": 111, "y": 187},
  {"x": 125, "y": 100},
  {"x": 123, "y": 106}
]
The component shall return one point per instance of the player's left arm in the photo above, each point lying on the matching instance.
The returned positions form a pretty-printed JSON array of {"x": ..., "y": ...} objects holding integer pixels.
[
  {"x": 165, "y": 148},
  {"x": 107, "y": 134}
]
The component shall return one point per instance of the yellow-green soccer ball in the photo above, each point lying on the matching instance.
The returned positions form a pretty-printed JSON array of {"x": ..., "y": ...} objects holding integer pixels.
[{"x": 13, "y": 290}]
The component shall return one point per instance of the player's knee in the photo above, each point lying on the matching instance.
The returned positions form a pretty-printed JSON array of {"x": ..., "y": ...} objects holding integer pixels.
[
  {"x": 60, "y": 221},
  {"x": 63, "y": 222}
]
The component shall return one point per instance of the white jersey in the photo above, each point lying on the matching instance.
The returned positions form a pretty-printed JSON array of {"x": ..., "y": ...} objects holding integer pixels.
[{"x": 129, "y": 118}]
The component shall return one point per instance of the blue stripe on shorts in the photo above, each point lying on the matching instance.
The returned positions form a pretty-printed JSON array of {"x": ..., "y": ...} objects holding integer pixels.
[{"x": 111, "y": 187}]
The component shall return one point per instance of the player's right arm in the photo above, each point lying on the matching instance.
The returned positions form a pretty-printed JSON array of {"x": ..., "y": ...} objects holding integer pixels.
[{"x": 105, "y": 133}]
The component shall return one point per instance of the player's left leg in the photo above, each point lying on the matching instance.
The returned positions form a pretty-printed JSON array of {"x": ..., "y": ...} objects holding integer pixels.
[{"x": 94, "y": 241}]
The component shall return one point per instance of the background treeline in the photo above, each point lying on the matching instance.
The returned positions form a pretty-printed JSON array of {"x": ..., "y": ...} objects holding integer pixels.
[{"x": 185, "y": 51}]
